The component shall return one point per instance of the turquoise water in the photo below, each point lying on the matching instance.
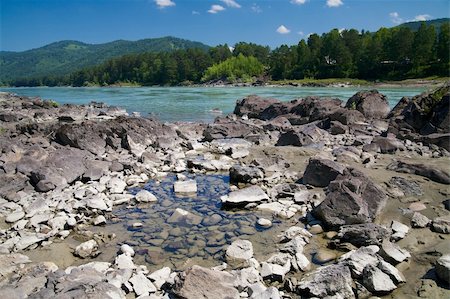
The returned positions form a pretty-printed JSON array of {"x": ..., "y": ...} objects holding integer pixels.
[{"x": 191, "y": 103}]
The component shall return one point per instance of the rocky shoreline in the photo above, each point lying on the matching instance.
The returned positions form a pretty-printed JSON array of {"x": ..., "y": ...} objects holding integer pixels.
[{"x": 363, "y": 192}]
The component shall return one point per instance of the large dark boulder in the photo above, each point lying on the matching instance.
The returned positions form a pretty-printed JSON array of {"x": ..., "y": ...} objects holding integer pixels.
[
  {"x": 245, "y": 174},
  {"x": 315, "y": 108},
  {"x": 253, "y": 106},
  {"x": 302, "y": 135},
  {"x": 363, "y": 234},
  {"x": 425, "y": 170},
  {"x": 353, "y": 198},
  {"x": 384, "y": 145},
  {"x": 370, "y": 103},
  {"x": 83, "y": 136},
  {"x": 320, "y": 172}
]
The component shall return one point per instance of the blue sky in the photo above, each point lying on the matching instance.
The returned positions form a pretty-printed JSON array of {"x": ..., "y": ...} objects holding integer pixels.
[{"x": 27, "y": 24}]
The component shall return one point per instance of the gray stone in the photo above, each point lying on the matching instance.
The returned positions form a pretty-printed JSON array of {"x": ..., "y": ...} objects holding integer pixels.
[
  {"x": 242, "y": 197},
  {"x": 15, "y": 216},
  {"x": 238, "y": 253},
  {"x": 358, "y": 259},
  {"x": 363, "y": 234},
  {"x": 419, "y": 220},
  {"x": 87, "y": 249},
  {"x": 393, "y": 253},
  {"x": 99, "y": 220},
  {"x": 181, "y": 216},
  {"x": 142, "y": 285},
  {"x": 188, "y": 186},
  {"x": 399, "y": 230},
  {"x": 443, "y": 269},
  {"x": 245, "y": 174},
  {"x": 127, "y": 249},
  {"x": 441, "y": 224},
  {"x": 320, "y": 172},
  {"x": 264, "y": 222},
  {"x": 160, "y": 277},
  {"x": 396, "y": 276},
  {"x": 116, "y": 185},
  {"x": 124, "y": 261},
  {"x": 145, "y": 196},
  {"x": 376, "y": 281}
]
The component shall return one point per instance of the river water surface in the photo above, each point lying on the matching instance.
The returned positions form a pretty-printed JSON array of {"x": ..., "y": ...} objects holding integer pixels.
[{"x": 197, "y": 104}]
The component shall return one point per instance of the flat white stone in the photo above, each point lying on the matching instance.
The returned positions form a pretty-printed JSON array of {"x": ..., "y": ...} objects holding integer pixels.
[
  {"x": 145, "y": 196},
  {"x": 142, "y": 284},
  {"x": 252, "y": 194},
  {"x": 188, "y": 186}
]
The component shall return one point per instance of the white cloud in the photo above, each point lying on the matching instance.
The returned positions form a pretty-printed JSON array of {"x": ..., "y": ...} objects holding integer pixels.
[
  {"x": 334, "y": 3},
  {"x": 216, "y": 8},
  {"x": 283, "y": 30},
  {"x": 298, "y": 2},
  {"x": 423, "y": 17},
  {"x": 194, "y": 12},
  {"x": 395, "y": 18},
  {"x": 231, "y": 3},
  {"x": 301, "y": 33},
  {"x": 255, "y": 8},
  {"x": 164, "y": 3}
]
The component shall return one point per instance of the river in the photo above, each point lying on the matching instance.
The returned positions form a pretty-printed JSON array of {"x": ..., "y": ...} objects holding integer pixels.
[{"x": 196, "y": 104}]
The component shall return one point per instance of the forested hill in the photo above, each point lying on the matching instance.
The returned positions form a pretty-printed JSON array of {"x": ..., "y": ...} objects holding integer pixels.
[
  {"x": 437, "y": 23},
  {"x": 68, "y": 56}
]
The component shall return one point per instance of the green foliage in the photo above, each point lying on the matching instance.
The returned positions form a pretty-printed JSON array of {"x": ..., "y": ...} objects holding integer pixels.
[{"x": 235, "y": 68}]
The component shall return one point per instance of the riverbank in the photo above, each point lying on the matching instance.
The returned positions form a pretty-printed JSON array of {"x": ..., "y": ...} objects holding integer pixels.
[{"x": 331, "y": 199}]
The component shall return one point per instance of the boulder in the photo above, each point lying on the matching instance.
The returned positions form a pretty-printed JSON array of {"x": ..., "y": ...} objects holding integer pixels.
[
  {"x": 253, "y": 106},
  {"x": 399, "y": 230},
  {"x": 320, "y": 172},
  {"x": 384, "y": 145},
  {"x": 363, "y": 234},
  {"x": 198, "y": 282},
  {"x": 238, "y": 253},
  {"x": 142, "y": 285},
  {"x": 376, "y": 281},
  {"x": 441, "y": 224},
  {"x": 306, "y": 135},
  {"x": 370, "y": 103},
  {"x": 357, "y": 260},
  {"x": 245, "y": 174},
  {"x": 433, "y": 173},
  {"x": 83, "y": 136},
  {"x": 242, "y": 197},
  {"x": 353, "y": 198},
  {"x": 443, "y": 269},
  {"x": 392, "y": 253},
  {"x": 145, "y": 196},
  {"x": 329, "y": 281},
  {"x": 408, "y": 187},
  {"x": 419, "y": 220},
  {"x": 87, "y": 249}
]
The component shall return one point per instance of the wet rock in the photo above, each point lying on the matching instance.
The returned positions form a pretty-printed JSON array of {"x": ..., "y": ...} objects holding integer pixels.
[
  {"x": 370, "y": 103},
  {"x": 392, "y": 253},
  {"x": 329, "y": 281},
  {"x": 181, "y": 216},
  {"x": 428, "y": 171},
  {"x": 324, "y": 256},
  {"x": 376, "y": 281},
  {"x": 238, "y": 253},
  {"x": 242, "y": 197},
  {"x": 399, "y": 230},
  {"x": 443, "y": 269},
  {"x": 199, "y": 282},
  {"x": 245, "y": 174},
  {"x": 188, "y": 186},
  {"x": 419, "y": 220},
  {"x": 145, "y": 196},
  {"x": 212, "y": 220},
  {"x": 87, "y": 249},
  {"x": 363, "y": 234},
  {"x": 353, "y": 198},
  {"x": 320, "y": 172},
  {"x": 441, "y": 224}
]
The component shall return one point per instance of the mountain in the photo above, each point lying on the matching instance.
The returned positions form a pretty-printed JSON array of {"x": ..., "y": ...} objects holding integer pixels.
[
  {"x": 67, "y": 56},
  {"x": 414, "y": 26}
]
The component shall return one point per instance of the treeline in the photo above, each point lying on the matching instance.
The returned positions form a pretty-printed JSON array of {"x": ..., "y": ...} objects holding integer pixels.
[{"x": 394, "y": 54}]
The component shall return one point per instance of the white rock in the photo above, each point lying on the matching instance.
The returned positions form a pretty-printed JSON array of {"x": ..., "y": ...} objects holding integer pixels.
[
  {"x": 302, "y": 262},
  {"x": 301, "y": 197},
  {"x": 124, "y": 261},
  {"x": 142, "y": 284},
  {"x": 264, "y": 222},
  {"x": 239, "y": 252},
  {"x": 15, "y": 216},
  {"x": 145, "y": 196},
  {"x": 396, "y": 276},
  {"x": 87, "y": 249},
  {"x": 240, "y": 153},
  {"x": 252, "y": 194},
  {"x": 58, "y": 222},
  {"x": 393, "y": 253},
  {"x": 116, "y": 185},
  {"x": 400, "y": 230},
  {"x": 97, "y": 202},
  {"x": 27, "y": 241},
  {"x": 99, "y": 220},
  {"x": 127, "y": 249},
  {"x": 159, "y": 277},
  {"x": 181, "y": 216},
  {"x": 376, "y": 281},
  {"x": 189, "y": 186}
]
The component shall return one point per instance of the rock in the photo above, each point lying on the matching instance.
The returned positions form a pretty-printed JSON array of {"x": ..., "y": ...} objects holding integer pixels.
[
  {"x": 264, "y": 222},
  {"x": 99, "y": 220},
  {"x": 181, "y": 216},
  {"x": 399, "y": 230},
  {"x": 392, "y": 253},
  {"x": 320, "y": 172},
  {"x": 358, "y": 259},
  {"x": 189, "y": 186},
  {"x": 324, "y": 256},
  {"x": 370, "y": 103},
  {"x": 127, "y": 249},
  {"x": 87, "y": 249},
  {"x": 245, "y": 174},
  {"x": 434, "y": 174},
  {"x": 198, "y": 282},
  {"x": 441, "y": 224},
  {"x": 268, "y": 293},
  {"x": 212, "y": 220},
  {"x": 408, "y": 187},
  {"x": 443, "y": 269},
  {"x": 353, "y": 198},
  {"x": 238, "y": 253},
  {"x": 363, "y": 234},
  {"x": 306, "y": 135},
  {"x": 246, "y": 277},
  {"x": 253, "y": 106},
  {"x": 124, "y": 261},
  {"x": 145, "y": 196},
  {"x": 277, "y": 208},
  {"x": 384, "y": 145},
  {"x": 293, "y": 232},
  {"x": 376, "y": 281},
  {"x": 395, "y": 275},
  {"x": 142, "y": 285},
  {"x": 301, "y": 261},
  {"x": 419, "y": 221},
  {"x": 116, "y": 185},
  {"x": 329, "y": 281},
  {"x": 160, "y": 277},
  {"x": 242, "y": 197},
  {"x": 274, "y": 272},
  {"x": 417, "y": 206},
  {"x": 15, "y": 216},
  {"x": 255, "y": 290}
]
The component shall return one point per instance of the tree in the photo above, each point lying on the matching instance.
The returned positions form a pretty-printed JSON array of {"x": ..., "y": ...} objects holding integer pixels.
[
  {"x": 424, "y": 41},
  {"x": 443, "y": 48}
]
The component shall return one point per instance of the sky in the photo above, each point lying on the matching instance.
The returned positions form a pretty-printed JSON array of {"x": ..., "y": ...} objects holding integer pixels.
[{"x": 28, "y": 24}]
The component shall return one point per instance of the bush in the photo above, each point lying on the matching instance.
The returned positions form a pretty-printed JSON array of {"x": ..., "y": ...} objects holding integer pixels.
[{"x": 235, "y": 68}]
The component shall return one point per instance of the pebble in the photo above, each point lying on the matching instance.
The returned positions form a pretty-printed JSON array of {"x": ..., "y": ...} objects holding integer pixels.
[
  {"x": 99, "y": 220},
  {"x": 417, "y": 206},
  {"x": 264, "y": 222},
  {"x": 316, "y": 229},
  {"x": 324, "y": 255}
]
